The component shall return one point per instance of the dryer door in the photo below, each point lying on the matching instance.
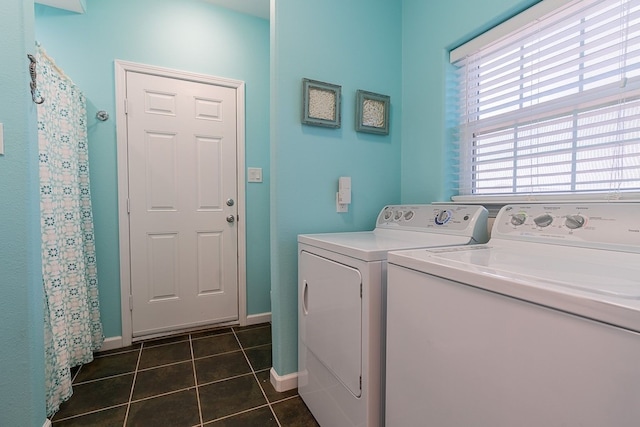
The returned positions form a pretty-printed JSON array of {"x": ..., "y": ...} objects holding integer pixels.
[{"x": 331, "y": 310}]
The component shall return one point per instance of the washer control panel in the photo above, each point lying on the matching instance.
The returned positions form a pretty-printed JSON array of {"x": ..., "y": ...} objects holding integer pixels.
[
  {"x": 455, "y": 219},
  {"x": 603, "y": 225}
]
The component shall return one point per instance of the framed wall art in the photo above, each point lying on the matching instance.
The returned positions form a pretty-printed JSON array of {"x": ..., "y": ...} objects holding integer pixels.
[
  {"x": 320, "y": 103},
  {"x": 372, "y": 112}
]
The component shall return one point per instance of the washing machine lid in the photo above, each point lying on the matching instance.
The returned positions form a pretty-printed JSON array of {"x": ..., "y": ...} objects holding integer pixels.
[
  {"x": 374, "y": 245},
  {"x": 599, "y": 284}
]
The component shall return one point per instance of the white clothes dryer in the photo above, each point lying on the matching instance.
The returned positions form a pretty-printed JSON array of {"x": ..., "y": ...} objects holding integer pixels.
[
  {"x": 341, "y": 314},
  {"x": 539, "y": 327}
]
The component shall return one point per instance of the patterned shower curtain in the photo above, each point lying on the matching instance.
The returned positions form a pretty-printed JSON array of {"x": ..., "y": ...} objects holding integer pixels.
[{"x": 72, "y": 329}]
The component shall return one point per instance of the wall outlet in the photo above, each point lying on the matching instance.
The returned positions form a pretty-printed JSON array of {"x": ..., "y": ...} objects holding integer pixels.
[{"x": 341, "y": 207}]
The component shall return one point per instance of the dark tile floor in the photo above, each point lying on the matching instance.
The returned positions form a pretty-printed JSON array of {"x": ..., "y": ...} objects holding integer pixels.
[{"x": 212, "y": 378}]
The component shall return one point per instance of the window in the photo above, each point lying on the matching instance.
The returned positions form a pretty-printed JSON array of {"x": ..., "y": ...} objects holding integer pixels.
[{"x": 554, "y": 107}]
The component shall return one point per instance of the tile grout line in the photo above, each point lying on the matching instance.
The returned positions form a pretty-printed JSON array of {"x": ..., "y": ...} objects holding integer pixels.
[
  {"x": 216, "y": 354},
  {"x": 93, "y": 411},
  {"x": 73, "y": 378},
  {"x": 246, "y": 411},
  {"x": 133, "y": 384},
  {"x": 253, "y": 371},
  {"x": 195, "y": 379},
  {"x": 108, "y": 377}
]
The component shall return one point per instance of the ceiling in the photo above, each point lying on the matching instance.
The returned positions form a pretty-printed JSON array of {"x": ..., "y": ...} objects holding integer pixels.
[
  {"x": 72, "y": 5},
  {"x": 259, "y": 8}
]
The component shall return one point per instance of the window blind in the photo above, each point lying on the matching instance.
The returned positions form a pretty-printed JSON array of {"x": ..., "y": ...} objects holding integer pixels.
[{"x": 555, "y": 106}]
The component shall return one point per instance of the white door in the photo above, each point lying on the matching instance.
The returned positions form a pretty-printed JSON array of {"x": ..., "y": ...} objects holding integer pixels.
[{"x": 182, "y": 190}]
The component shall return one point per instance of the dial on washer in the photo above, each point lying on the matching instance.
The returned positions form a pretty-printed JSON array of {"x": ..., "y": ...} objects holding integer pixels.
[
  {"x": 543, "y": 220},
  {"x": 518, "y": 219},
  {"x": 574, "y": 221},
  {"x": 442, "y": 217}
]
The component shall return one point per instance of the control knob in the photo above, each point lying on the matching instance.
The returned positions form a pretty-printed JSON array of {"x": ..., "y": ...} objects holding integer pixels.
[
  {"x": 518, "y": 219},
  {"x": 574, "y": 221},
  {"x": 443, "y": 217},
  {"x": 543, "y": 220}
]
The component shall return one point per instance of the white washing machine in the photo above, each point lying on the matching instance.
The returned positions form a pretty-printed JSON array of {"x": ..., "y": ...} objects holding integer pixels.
[
  {"x": 539, "y": 327},
  {"x": 342, "y": 279}
]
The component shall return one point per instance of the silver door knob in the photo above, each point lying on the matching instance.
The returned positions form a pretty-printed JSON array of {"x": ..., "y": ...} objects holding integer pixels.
[
  {"x": 231, "y": 218},
  {"x": 230, "y": 202}
]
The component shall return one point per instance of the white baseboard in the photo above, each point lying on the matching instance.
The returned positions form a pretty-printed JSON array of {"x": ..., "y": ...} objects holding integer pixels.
[
  {"x": 254, "y": 319},
  {"x": 47, "y": 423},
  {"x": 111, "y": 343},
  {"x": 284, "y": 382}
]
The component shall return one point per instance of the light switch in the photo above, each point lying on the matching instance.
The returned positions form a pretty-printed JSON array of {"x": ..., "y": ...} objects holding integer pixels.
[
  {"x": 255, "y": 174},
  {"x": 1, "y": 139}
]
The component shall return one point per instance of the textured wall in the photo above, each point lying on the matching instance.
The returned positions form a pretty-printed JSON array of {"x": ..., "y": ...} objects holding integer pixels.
[{"x": 21, "y": 322}]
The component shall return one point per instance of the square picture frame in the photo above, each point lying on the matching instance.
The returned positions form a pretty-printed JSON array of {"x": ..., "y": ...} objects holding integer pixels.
[
  {"x": 372, "y": 112},
  {"x": 321, "y": 104}
]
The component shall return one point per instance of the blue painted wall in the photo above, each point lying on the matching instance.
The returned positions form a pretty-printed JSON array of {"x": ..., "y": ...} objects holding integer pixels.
[
  {"x": 399, "y": 49},
  {"x": 21, "y": 306},
  {"x": 430, "y": 29},
  {"x": 355, "y": 44},
  {"x": 189, "y": 35},
  {"x": 394, "y": 48}
]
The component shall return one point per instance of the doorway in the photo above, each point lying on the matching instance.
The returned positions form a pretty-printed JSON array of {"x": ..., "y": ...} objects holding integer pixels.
[{"x": 181, "y": 200}]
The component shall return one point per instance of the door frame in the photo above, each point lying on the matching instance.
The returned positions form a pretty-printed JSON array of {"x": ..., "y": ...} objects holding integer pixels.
[{"x": 121, "y": 68}]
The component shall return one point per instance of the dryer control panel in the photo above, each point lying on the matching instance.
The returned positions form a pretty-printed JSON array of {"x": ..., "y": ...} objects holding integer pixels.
[
  {"x": 613, "y": 226},
  {"x": 443, "y": 218}
]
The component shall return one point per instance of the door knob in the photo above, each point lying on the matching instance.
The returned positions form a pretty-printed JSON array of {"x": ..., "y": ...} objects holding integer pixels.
[
  {"x": 231, "y": 218},
  {"x": 230, "y": 202}
]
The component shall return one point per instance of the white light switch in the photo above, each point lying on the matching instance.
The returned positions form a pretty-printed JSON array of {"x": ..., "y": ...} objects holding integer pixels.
[
  {"x": 1, "y": 139},
  {"x": 255, "y": 174}
]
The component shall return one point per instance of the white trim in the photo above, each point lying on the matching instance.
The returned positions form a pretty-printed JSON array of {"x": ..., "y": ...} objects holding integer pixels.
[
  {"x": 519, "y": 21},
  {"x": 242, "y": 216},
  {"x": 550, "y": 198},
  {"x": 47, "y": 423},
  {"x": 111, "y": 343},
  {"x": 284, "y": 382},
  {"x": 255, "y": 319},
  {"x": 121, "y": 68}
]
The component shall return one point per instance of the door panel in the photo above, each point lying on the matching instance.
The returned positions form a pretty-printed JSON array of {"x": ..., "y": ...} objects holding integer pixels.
[
  {"x": 331, "y": 310},
  {"x": 182, "y": 146}
]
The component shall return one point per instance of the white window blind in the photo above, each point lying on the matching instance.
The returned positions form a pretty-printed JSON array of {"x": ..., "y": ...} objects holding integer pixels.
[{"x": 554, "y": 107}]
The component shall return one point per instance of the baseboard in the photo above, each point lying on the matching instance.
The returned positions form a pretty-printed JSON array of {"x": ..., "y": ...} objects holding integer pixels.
[
  {"x": 254, "y": 319},
  {"x": 284, "y": 382},
  {"x": 111, "y": 343},
  {"x": 47, "y": 423}
]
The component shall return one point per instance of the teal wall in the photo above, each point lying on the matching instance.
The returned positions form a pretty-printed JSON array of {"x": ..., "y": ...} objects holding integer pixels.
[
  {"x": 355, "y": 44},
  {"x": 430, "y": 29},
  {"x": 399, "y": 49},
  {"x": 21, "y": 306},
  {"x": 189, "y": 35}
]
